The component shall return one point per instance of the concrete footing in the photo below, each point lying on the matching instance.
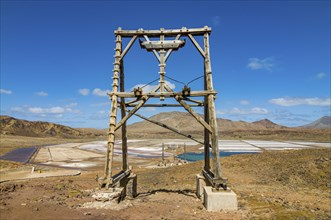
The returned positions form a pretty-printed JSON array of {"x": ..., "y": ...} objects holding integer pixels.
[
  {"x": 130, "y": 186},
  {"x": 219, "y": 200},
  {"x": 215, "y": 200}
]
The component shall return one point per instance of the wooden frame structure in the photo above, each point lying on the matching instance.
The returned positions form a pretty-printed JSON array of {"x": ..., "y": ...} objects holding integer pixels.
[{"x": 162, "y": 50}]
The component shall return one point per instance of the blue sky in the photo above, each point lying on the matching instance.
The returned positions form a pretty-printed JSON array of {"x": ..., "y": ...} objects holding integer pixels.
[{"x": 270, "y": 59}]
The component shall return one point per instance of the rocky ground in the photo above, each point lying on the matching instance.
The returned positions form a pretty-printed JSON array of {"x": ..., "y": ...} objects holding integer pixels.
[{"x": 272, "y": 185}]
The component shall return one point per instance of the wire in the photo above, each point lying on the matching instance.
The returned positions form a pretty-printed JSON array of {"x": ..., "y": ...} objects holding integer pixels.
[
  {"x": 194, "y": 79},
  {"x": 174, "y": 80}
]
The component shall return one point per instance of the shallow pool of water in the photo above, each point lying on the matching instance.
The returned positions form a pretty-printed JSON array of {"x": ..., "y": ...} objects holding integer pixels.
[{"x": 200, "y": 156}]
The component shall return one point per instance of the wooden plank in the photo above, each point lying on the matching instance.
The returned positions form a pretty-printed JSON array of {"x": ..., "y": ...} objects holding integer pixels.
[
  {"x": 196, "y": 44},
  {"x": 165, "y": 94},
  {"x": 133, "y": 39},
  {"x": 165, "y": 32}
]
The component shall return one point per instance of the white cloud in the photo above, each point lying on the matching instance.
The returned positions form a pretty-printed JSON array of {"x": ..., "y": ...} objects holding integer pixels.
[
  {"x": 42, "y": 93},
  {"x": 289, "y": 101},
  {"x": 43, "y": 112},
  {"x": 237, "y": 111},
  {"x": 320, "y": 75},
  {"x": 4, "y": 91},
  {"x": 99, "y": 92},
  {"x": 261, "y": 64},
  {"x": 150, "y": 88},
  {"x": 244, "y": 102},
  {"x": 84, "y": 92}
]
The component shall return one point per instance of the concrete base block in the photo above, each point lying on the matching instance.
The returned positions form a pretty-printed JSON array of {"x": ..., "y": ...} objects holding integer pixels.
[
  {"x": 130, "y": 186},
  {"x": 200, "y": 183},
  {"x": 219, "y": 200}
]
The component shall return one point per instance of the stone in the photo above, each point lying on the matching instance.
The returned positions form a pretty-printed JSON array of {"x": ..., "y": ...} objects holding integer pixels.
[{"x": 219, "y": 200}]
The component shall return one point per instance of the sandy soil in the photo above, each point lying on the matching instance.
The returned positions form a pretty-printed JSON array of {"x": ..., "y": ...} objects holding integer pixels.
[{"x": 291, "y": 184}]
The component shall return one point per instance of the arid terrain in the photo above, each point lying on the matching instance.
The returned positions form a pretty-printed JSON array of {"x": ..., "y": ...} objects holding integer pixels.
[{"x": 272, "y": 184}]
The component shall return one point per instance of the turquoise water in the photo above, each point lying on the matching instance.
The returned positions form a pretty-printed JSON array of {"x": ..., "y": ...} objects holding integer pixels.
[{"x": 200, "y": 156}]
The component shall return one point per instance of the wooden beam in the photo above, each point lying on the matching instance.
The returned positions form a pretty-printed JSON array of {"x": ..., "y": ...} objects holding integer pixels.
[
  {"x": 169, "y": 51},
  {"x": 157, "y": 33},
  {"x": 165, "y": 94},
  {"x": 190, "y": 110},
  {"x": 162, "y": 105},
  {"x": 106, "y": 180},
  {"x": 133, "y": 39},
  {"x": 154, "y": 51},
  {"x": 125, "y": 164},
  {"x": 136, "y": 108},
  {"x": 169, "y": 128},
  {"x": 211, "y": 110},
  {"x": 196, "y": 44}
]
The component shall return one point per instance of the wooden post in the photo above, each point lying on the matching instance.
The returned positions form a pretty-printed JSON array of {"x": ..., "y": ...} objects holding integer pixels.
[
  {"x": 211, "y": 109},
  {"x": 162, "y": 152},
  {"x": 206, "y": 132},
  {"x": 162, "y": 67},
  {"x": 125, "y": 164},
  {"x": 184, "y": 151},
  {"x": 106, "y": 181}
]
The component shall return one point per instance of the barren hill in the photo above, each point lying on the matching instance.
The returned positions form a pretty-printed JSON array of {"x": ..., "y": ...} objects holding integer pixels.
[
  {"x": 14, "y": 126},
  {"x": 321, "y": 123},
  {"x": 184, "y": 122}
]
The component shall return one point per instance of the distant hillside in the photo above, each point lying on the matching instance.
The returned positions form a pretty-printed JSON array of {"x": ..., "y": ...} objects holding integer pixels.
[
  {"x": 322, "y": 123},
  {"x": 186, "y": 123},
  {"x": 14, "y": 126}
]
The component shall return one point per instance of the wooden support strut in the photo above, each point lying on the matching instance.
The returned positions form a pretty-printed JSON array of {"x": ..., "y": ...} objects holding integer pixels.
[
  {"x": 190, "y": 110},
  {"x": 168, "y": 127},
  {"x": 106, "y": 180},
  {"x": 211, "y": 110}
]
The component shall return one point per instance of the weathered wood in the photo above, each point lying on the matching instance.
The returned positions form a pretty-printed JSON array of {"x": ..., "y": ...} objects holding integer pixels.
[
  {"x": 206, "y": 132},
  {"x": 194, "y": 101},
  {"x": 190, "y": 110},
  {"x": 162, "y": 69},
  {"x": 125, "y": 164},
  {"x": 157, "y": 33},
  {"x": 106, "y": 181},
  {"x": 162, "y": 105},
  {"x": 165, "y": 94},
  {"x": 170, "y": 50},
  {"x": 136, "y": 108},
  {"x": 128, "y": 46},
  {"x": 196, "y": 44},
  {"x": 168, "y": 127},
  {"x": 211, "y": 109},
  {"x": 154, "y": 51}
]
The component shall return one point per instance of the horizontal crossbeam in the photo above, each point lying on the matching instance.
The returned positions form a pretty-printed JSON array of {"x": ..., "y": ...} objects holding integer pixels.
[
  {"x": 164, "y": 94},
  {"x": 157, "y": 33}
]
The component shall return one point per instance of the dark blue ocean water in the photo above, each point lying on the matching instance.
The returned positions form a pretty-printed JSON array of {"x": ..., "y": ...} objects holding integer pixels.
[{"x": 200, "y": 156}]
